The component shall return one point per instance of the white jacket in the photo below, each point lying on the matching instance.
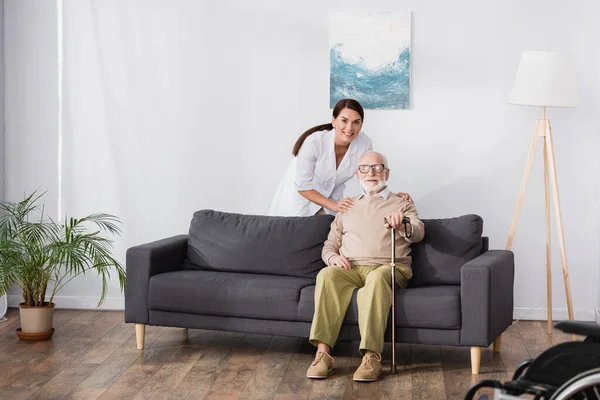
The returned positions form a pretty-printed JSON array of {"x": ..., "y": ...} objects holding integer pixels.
[{"x": 314, "y": 168}]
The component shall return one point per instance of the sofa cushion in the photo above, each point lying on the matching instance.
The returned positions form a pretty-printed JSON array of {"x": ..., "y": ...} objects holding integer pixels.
[
  {"x": 448, "y": 244},
  {"x": 227, "y": 294},
  {"x": 288, "y": 246},
  {"x": 435, "y": 307}
]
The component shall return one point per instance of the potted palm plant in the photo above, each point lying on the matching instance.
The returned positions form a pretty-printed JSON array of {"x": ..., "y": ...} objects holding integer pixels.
[{"x": 40, "y": 256}]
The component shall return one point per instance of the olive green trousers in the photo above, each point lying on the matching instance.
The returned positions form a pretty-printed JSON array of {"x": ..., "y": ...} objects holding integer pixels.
[{"x": 333, "y": 294}]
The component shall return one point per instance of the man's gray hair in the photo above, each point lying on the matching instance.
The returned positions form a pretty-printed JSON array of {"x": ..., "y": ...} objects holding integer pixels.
[{"x": 385, "y": 162}]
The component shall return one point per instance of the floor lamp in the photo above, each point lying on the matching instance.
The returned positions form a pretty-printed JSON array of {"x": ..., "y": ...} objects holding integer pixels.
[{"x": 545, "y": 79}]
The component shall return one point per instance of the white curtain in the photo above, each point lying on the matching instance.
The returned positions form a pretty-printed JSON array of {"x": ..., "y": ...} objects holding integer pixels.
[{"x": 169, "y": 107}]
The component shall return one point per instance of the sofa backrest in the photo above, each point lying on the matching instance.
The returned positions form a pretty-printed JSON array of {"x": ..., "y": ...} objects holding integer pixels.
[
  {"x": 288, "y": 246},
  {"x": 448, "y": 244},
  {"x": 291, "y": 246}
]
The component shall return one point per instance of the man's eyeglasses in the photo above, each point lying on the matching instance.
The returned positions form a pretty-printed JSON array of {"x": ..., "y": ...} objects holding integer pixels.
[{"x": 365, "y": 168}]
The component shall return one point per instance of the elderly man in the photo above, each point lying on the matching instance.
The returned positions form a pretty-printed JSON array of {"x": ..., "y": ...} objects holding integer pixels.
[{"x": 357, "y": 252}]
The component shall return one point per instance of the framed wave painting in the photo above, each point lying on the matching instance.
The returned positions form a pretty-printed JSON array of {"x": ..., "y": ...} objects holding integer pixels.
[{"x": 369, "y": 56}]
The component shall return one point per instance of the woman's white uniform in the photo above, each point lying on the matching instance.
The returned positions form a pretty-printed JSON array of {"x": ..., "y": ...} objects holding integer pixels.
[{"x": 315, "y": 168}]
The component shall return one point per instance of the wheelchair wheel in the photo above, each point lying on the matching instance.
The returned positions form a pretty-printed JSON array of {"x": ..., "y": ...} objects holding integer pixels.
[{"x": 583, "y": 386}]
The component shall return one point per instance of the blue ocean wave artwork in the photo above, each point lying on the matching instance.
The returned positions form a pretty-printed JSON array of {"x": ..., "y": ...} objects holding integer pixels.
[{"x": 384, "y": 87}]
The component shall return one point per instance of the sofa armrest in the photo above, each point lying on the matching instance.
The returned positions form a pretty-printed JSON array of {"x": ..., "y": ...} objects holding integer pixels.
[
  {"x": 144, "y": 261},
  {"x": 486, "y": 291}
]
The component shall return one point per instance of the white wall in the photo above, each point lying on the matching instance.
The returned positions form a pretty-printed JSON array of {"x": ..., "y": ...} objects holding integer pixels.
[{"x": 246, "y": 79}]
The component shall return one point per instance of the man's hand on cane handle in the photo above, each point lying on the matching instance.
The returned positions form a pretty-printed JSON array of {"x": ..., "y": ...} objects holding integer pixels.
[{"x": 394, "y": 220}]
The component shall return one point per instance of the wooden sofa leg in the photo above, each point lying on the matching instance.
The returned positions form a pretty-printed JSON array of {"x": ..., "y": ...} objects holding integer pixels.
[
  {"x": 140, "y": 331},
  {"x": 475, "y": 360},
  {"x": 497, "y": 344}
]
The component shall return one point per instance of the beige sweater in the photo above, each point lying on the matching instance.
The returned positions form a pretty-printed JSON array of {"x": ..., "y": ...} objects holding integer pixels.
[{"x": 360, "y": 235}]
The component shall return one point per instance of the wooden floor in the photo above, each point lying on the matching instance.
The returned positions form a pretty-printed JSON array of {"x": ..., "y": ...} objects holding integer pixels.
[{"x": 93, "y": 355}]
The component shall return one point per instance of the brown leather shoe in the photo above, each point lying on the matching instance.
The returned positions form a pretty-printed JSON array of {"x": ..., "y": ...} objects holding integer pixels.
[
  {"x": 321, "y": 366},
  {"x": 369, "y": 369}
]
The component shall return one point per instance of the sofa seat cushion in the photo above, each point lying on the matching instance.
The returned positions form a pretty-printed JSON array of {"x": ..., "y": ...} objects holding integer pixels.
[
  {"x": 227, "y": 294},
  {"x": 436, "y": 307}
]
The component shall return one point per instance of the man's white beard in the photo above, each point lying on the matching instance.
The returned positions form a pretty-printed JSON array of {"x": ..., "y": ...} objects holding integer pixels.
[{"x": 373, "y": 188}]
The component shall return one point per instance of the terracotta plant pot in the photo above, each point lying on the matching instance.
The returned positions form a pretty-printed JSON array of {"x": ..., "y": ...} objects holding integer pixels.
[{"x": 36, "y": 322}]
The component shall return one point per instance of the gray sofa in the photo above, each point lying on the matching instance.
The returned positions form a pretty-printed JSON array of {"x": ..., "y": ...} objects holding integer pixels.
[{"x": 256, "y": 274}]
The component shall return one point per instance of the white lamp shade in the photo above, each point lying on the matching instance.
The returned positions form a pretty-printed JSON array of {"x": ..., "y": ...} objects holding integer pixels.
[{"x": 545, "y": 79}]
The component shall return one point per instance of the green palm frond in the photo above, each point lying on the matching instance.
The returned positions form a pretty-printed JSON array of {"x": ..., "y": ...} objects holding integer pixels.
[
  {"x": 39, "y": 252},
  {"x": 106, "y": 222}
]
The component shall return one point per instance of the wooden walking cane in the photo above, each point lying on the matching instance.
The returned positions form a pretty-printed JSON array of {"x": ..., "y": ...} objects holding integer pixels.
[
  {"x": 405, "y": 222},
  {"x": 393, "y": 265}
]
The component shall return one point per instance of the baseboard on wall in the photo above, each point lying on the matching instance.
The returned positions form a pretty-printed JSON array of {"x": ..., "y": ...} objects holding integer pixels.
[
  {"x": 77, "y": 302},
  {"x": 558, "y": 314}
]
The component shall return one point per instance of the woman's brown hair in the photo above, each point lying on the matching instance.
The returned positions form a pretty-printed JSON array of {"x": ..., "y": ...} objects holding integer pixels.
[{"x": 344, "y": 103}]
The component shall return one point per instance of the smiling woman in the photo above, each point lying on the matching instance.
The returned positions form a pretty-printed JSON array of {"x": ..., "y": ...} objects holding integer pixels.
[{"x": 325, "y": 158}]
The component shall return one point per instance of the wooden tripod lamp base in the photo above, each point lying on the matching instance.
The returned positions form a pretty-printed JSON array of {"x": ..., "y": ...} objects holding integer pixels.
[
  {"x": 545, "y": 79},
  {"x": 543, "y": 130}
]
